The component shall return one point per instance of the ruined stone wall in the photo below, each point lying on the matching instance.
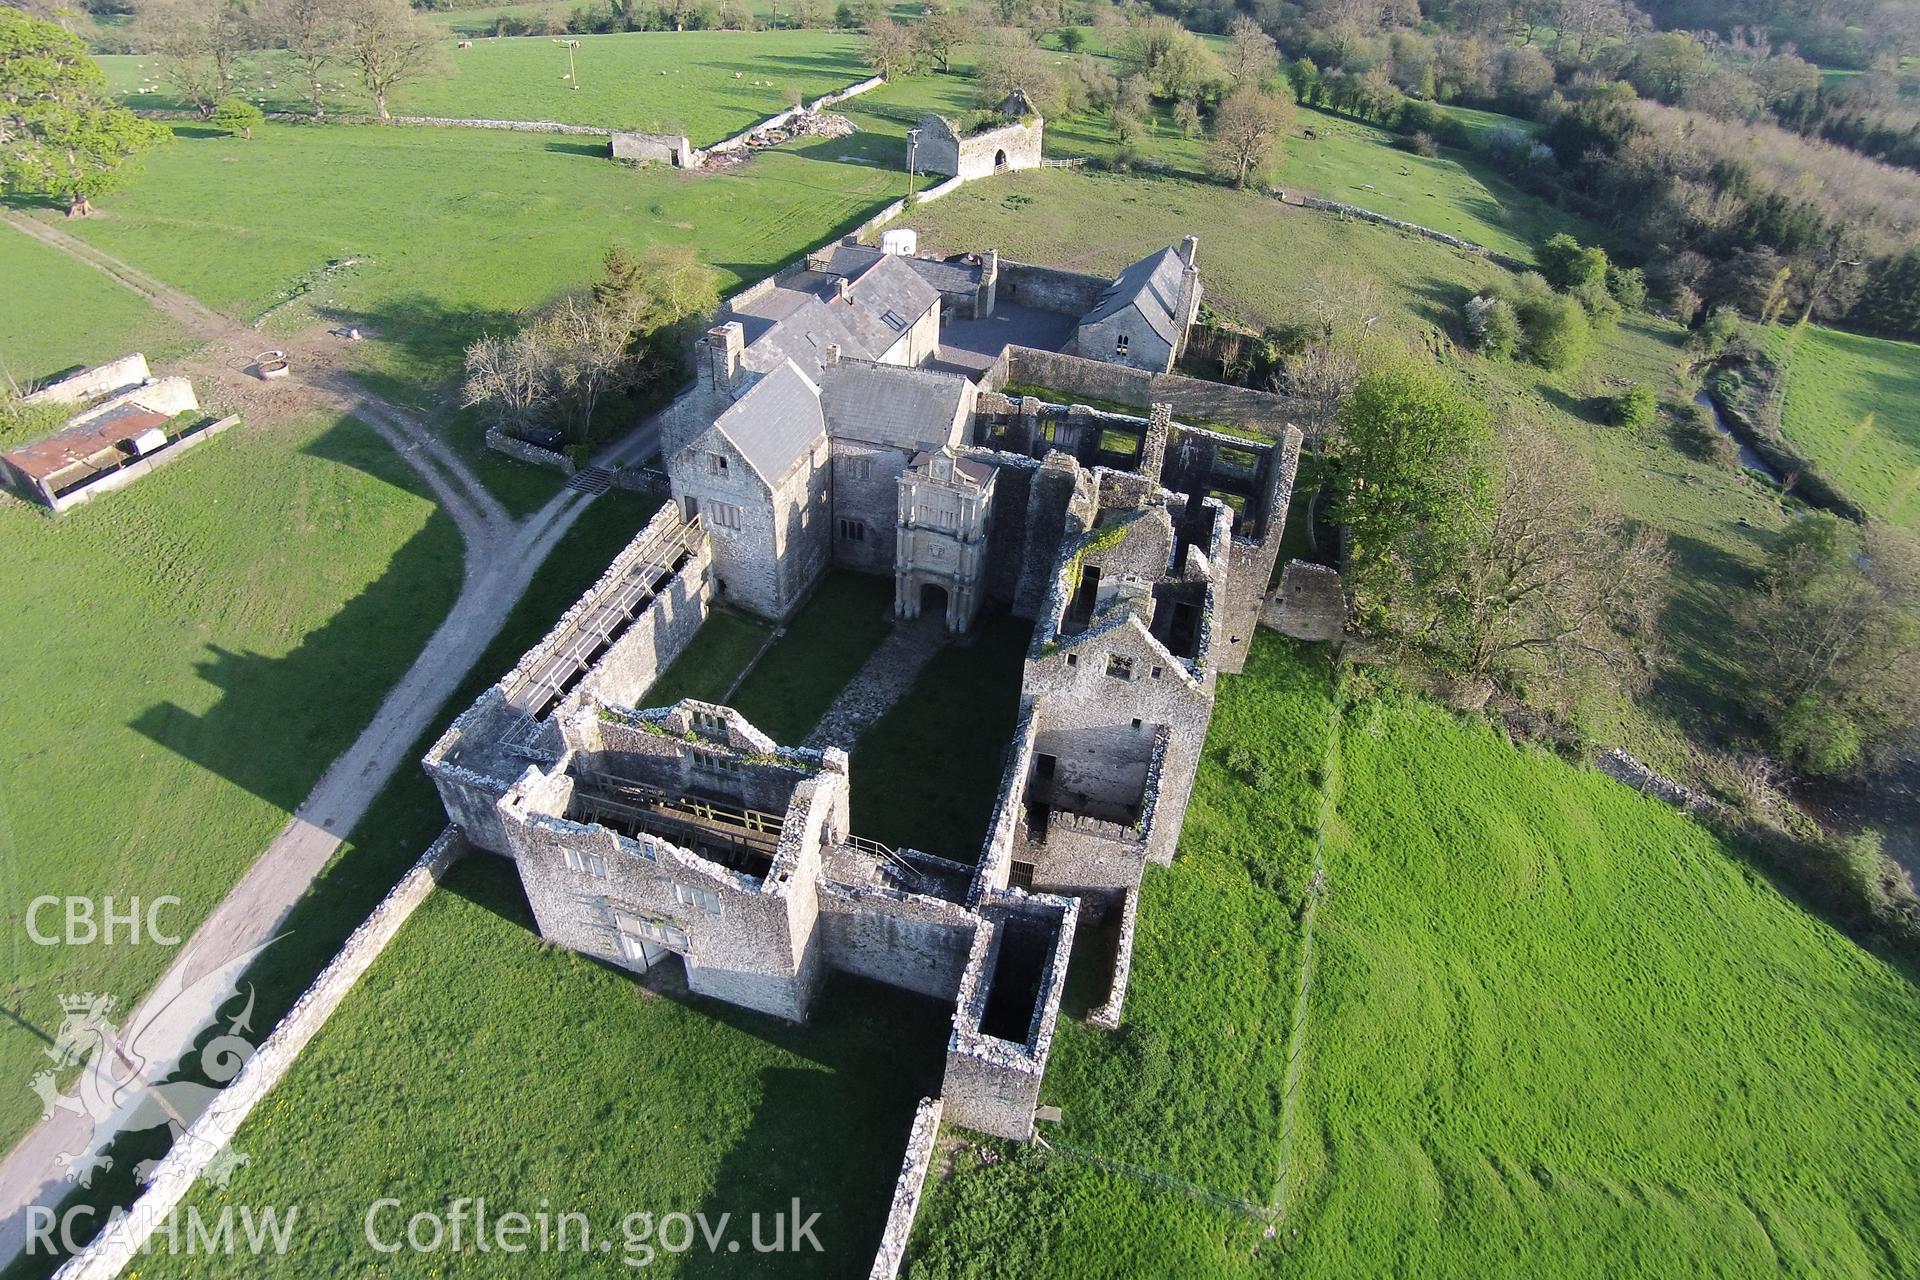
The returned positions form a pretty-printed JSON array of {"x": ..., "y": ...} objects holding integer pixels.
[
  {"x": 742, "y": 953},
  {"x": 1107, "y": 1016},
  {"x": 992, "y": 1085},
  {"x": 649, "y": 148},
  {"x": 906, "y": 1190},
  {"x": 520, "y": 450},
  {"x": 904, "y": 940},
  {"x": 1012, "y": 146},
  {"x": 1250, "y": 567},
  {"x": 1067, "y": 293},
  {"x": 1309, "y": 604},
  {"x": 1193, "y": 399}
]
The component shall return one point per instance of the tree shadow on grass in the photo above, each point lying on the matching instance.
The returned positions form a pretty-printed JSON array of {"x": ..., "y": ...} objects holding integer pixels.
[
  {"x": 430, "y": 334},
  {"x": 1707, "y": 679},
  {"x": 1587, "y": 409},
  {"x": 279, "y": 721}
]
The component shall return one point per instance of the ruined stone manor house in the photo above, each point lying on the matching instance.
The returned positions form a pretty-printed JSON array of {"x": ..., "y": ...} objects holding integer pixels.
[{"x": 852, "y": 411}]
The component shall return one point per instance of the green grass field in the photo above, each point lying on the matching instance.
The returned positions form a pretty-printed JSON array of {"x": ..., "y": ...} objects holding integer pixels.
[
  {"x": 96, "y": 319},
  {"x": 705, "y": 84},
  {"x": 707, "y": 668},
  {"x": 451, "y": 232},
  {"x": 474, "y": 1060},
  {"x": 961, "y": 711},
  {"x": 826, "y": 642},
  {"x": 1553, "y": 1028},
  {"x": 1558, "y": 1028},
  {"x": 1853, "y": 407},
  {"x": 187, "y": 656}
]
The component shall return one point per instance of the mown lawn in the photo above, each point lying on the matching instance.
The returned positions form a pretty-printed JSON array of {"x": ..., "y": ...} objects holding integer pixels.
[
  {"x": 1557, "y": 1028},
  {"x": 1853, "y": 407},
  {"x": 708, "y": 666},
  {"x": 925, "y": 776},
  {"x": 56, "y": 313},
  {"x": 185, "y": 658},
  {"x": 826, "y": 642},
  {"x": 473, "y": 1060},
  {"x": 398, "y": 825},
  {"x": 1185, "y": 1098},
  {"x": 705, "y": 84}
]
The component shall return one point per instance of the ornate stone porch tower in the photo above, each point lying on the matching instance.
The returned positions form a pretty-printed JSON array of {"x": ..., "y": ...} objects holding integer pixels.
[{"x": 946, "y": 502}]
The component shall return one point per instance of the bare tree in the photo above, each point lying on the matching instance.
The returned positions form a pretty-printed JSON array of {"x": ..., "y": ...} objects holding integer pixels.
[
  {"x": 314, "y": 34},
  {"x": 1246, "y": 132},
  {"x": 890, "y": 49},
  {"x": 200, "y": 44},
  {"x": 387, "y": 45},
  {"x": 1252, "y": 57},
  {"x": 1550, "y": 579}
]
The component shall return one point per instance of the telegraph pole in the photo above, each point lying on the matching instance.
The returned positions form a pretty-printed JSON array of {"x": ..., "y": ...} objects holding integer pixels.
[
  {"x": 913, "y": 147},
  {"x": 573, "y": 75}
]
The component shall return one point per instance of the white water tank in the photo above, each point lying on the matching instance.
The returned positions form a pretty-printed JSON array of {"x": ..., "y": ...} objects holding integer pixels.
[{"x": 902, "y": 242}]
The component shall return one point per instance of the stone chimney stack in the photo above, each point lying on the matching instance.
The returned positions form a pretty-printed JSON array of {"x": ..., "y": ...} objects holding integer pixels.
[
  {"x": 989, "y": 284},
  {"x": 832, "y": 354},
  {"x": 1189, "y": 294},
  {"x": 726, "y": 344},
  {"x": 843, "y": 290}
]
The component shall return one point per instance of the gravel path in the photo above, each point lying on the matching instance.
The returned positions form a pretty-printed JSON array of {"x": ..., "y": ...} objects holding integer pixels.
[{"x": 501, "y": 556}]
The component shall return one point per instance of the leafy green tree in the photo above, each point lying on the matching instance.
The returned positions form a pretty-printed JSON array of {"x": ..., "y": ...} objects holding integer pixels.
[
  {"x": 60, "y": 133},
  {"x": 1247, "y": 130},
  {"x": 1304, "y": 76},
  {"x": 1558, "y": 336},
  {"x": 1835, "y": 641},
  {"x": 1628, "y": 285},
  {"x": 1633, "y": 407},
  {"x": 1412, "y": 449},
  {"x": 237, "y": 115},
  {"x": 1570, "y": 267}
]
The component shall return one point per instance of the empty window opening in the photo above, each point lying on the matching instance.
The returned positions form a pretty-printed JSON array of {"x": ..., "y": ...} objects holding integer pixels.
[
  {"x": 1120, "y": 344},
  {"x": 1080, "y": 611},
  {"x": 1119, "y": 666},
  {"x": 717, "y": 463},
  {"x": 853, "y": 530}
]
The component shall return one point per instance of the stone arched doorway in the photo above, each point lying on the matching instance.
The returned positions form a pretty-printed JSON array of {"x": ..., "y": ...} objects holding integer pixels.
[
  {"x": 999, "y": 161},
  {"x": 935, "y": 602}
]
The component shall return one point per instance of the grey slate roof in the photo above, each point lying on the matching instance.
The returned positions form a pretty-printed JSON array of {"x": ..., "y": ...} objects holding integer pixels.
[
  {"x": 776, "y": 422},
  {"x": 885, "y": 404},
  {"x": 1152, "y": 286},
  {"x": 804, "y": 335},
  {"x": 890, "y": 296},
  {"x": 948, "y": 276}
]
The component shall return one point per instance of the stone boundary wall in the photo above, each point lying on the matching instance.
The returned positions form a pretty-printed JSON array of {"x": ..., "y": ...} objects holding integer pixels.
[
  {"x": 1107, "y": 1016},
  {"x": 739, "y": 139},
  {"x": 1067, "y": 293},
  {"x": 500, "y": 442},
  {"x": 642, "y": 480},
  {"x": 1622, "y": 767},
  {"x": 1195, "y": 402},
  {"x": 1506, "y": 260},
  {"x": 123, "y": 374},
  {"x": 906, "y": 1190},
  {"x": 117, "y": 1247},
  {"x": 648, "y": 148}
]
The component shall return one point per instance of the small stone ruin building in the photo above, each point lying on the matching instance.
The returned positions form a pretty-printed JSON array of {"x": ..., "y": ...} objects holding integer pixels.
[{"x": 1013, "y": 141}]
